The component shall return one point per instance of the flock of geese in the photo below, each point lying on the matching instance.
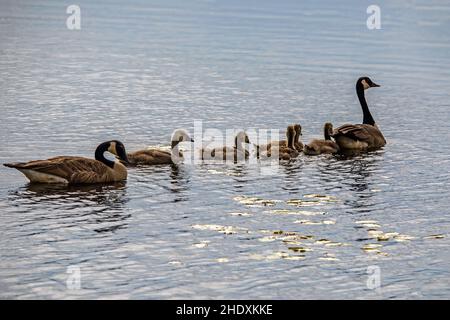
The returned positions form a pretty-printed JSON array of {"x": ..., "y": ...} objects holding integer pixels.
[{"x": 79, "y": 170}]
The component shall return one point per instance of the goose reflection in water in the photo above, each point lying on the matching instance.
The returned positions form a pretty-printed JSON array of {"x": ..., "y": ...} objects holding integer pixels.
[
  {"x": 292, "y": 172},
  {"x": 99, "y": 206},
  {"x": 179, "y": 183},
  {"x": 173, "y": 178},
  {"x": 352, "y": 172},
  {"x": 239, "y": 174}
]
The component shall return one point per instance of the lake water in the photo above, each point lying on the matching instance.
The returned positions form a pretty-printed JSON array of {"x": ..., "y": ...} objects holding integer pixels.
[{"x": 322, "y": 227}]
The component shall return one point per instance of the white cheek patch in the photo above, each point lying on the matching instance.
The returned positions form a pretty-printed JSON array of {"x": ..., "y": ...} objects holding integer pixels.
[{"x": 365, "y": 84}]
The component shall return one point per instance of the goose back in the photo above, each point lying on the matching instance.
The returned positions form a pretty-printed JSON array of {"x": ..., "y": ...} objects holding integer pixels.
[
  {"x": 359, "y": 136},
  {"x": 71, "y": 170},
  {"x": 150, "y": 157}
]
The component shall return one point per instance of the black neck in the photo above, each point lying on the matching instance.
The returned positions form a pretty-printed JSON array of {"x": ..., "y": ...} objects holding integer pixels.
[
  {"x": 101, "y": 149},
  {"x": 368, "y": 119}
]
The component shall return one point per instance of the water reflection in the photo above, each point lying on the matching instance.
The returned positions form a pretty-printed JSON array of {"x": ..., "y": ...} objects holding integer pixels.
[
  {"x": 102, "y": 206},
  {"x": 179, "y": 183},
  {"x": 353, "y": 172},
  {"x": 100, "y": 193},
  {"x": 225, "y": 83},
  {"x": 173, "y": 178},
  {"x": 292, "y": 171}
]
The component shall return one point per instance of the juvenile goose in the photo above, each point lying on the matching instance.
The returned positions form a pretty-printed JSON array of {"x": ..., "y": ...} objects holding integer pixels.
[
  {"x": 238, "y": 151},
  {"x": 317, "y": 146},
  {"x": 297, "y": 143},
  {"x": 78, "y": 170},
  {"x": 156, "y": 156},
  {"x": 288, "y": 151},
  {"x": 365, "y": 136},
  {"x": 264, "y": 148},
  {"x": 284, "y": 148}
]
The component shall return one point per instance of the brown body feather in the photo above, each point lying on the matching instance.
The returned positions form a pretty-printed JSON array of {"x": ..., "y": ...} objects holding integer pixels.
[
  {"x": 284, "y": 148},
  {"x": 326, "y": 145},
  {"x": 150, "y": 156},
  {"x": 237, "y": 152},
  {"x": 71, "y": 170},
  {"x": 267, "y": 147},
  {"x": 226, "y": 153},
  {"x": 153, "y": 156},
  {"x": 359, "y": 136},
  {"x": 316, "y": 147}
]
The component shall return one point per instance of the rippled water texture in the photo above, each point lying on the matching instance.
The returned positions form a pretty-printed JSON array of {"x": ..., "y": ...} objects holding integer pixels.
[{"x": 137, "y": 70}]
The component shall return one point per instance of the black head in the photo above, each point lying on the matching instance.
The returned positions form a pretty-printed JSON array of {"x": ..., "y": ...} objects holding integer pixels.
[
  {"x": 118, "y": 149},
  {"x": 365, "y": 83}
]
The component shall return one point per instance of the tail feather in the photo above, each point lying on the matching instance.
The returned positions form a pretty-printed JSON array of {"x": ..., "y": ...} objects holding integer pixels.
[{"x": 15, "y": 165}]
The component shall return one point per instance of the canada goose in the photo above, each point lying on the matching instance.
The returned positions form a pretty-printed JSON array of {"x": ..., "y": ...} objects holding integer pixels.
[
  {"x": 264, "y": 148},
  {"x": 285, "y": 148},
  {"x": 238, "y": 151},
  {"x": 298, "y": 132},
  {"x": 78, "y": 170},
  {"x": 156, "y": 156},
  {"x": 365, "y": 136},
  {"x": 317, "y": 146}
]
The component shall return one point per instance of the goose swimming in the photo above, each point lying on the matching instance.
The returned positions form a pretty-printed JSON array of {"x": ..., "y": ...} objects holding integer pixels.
[
  {"x": 316, "y": 146},
  {"x": 365, "y": 136},
  {"x": 78, "y": 170},
  {"x": 285, "y": 148},
  {"x": 155, "y": 156},
  {"x": 237, "y": 152}
]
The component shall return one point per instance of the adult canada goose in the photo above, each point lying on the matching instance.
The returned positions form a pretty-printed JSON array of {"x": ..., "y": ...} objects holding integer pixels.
[
  {"x": 365, "y": 136},
  {"x": 155, "y": 156},
  {"x": 317, "y": 146},
  {"x": 78, "y": 170},
  {"x": 285, "y": 148},
  {"x": 237, "y": 152},
  {"x": 298, "y": 133}
]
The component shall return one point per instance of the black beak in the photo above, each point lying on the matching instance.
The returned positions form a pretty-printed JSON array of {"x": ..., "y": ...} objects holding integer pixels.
[
  {"x": 123, "y": 158},
  {"x": 192, "y": 140},
  {"x": 374, "y": 85}
]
